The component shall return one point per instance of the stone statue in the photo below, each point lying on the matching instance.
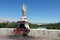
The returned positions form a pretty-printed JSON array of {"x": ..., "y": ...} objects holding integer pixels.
[
  {"x": 23, "y": 24},
  {"x": 23, "y": 10}
]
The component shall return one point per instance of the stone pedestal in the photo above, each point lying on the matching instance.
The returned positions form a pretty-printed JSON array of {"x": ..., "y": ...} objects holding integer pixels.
[{"x": 23, "y": 21}]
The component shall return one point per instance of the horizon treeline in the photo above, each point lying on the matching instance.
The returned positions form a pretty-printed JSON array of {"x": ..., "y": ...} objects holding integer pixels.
[{"x": 15, "y": 24}]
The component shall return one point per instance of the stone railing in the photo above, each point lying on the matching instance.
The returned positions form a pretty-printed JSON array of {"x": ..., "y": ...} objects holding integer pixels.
[{"x": 46, "y": 34}]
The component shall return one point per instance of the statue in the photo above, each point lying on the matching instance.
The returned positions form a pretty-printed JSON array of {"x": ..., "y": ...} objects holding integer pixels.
[
  {"x": 23, "y": 25},
  {"x": 24, "y": 10}
]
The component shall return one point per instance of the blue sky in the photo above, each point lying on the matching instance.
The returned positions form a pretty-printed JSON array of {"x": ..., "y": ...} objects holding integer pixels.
[{"x": 38, "y": 11}]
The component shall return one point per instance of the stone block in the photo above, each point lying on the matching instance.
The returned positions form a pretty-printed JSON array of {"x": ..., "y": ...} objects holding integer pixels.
[{"x": 53, "y": 35}]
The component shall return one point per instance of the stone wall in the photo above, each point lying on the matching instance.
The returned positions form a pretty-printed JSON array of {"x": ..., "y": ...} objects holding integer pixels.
[
  {"x": 46, "y": 34},
  {"x": 42, "y": 34}
]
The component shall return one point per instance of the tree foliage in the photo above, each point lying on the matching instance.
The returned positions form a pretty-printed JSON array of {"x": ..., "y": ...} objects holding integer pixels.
[
  {"x": 15, "y": 24},
  {"x": 8, "y": 25}
]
